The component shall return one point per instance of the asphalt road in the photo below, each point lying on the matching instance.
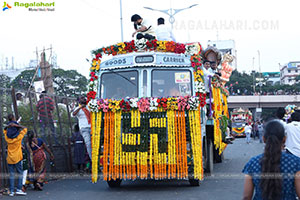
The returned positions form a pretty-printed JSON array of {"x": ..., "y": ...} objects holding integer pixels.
[{"x": 226, "y": 183}]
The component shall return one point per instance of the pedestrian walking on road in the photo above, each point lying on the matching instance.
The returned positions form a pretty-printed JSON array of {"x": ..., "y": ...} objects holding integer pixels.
[
  {"x": 292, "y": 143},
  {"x": 39, "y": 158},
  {"x": 248, "y": 130},
  {"x": 274, "y": 174},
  {"x": 255, "y": 130},
  {"x": 14, "y": 134},
  {"x": 260, "y": 129},
  {"x": 83, "y": 115}
]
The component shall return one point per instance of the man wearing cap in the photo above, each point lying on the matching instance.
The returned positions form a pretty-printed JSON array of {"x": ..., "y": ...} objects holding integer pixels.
[{"x": 142, "y": 26}]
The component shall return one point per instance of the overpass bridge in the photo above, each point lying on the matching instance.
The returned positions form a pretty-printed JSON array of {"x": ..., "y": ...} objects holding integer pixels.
[{"x": 263, "y": 101}]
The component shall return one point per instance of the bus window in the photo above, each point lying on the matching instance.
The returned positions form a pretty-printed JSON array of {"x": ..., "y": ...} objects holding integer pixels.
[
  {"x": 145, "y": 83},
  {"x": 118, "y": 85},
  {"x": 171, "y": 83}
]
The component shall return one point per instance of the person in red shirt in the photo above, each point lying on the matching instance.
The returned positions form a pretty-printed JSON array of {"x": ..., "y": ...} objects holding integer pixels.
[{"x": 45, "y": 107}]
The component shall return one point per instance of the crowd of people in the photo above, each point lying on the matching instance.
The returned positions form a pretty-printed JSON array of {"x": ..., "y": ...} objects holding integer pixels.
[
  {"x": 275, "y": 174},
  {"x": 246, "y": 92},
  {"x": 26, "y": 158}
]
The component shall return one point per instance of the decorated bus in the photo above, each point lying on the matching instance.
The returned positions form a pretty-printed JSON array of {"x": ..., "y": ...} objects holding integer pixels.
[
  {"x": 239, "y": 118},
  {"x": 151, "y": 116}
]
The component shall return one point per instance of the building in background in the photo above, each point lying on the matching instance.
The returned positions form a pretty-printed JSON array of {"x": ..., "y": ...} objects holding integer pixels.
[
  {"x": 289, "y": 72},
  {"x": 272, "y": 77},
  {"x": 225, "y": 46},
  {"x": 12, "y": 71}
]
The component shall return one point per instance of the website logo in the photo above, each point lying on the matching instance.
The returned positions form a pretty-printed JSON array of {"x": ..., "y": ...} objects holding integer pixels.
[{"x": 6, "y": 6}]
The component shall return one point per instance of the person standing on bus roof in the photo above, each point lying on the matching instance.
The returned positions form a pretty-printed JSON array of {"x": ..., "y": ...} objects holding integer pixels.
[
  {"x": 142, "y": 26},
  {"x": 163, "y": 32}
]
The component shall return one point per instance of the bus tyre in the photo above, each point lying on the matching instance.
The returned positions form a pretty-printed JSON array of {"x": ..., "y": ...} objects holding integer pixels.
[
  {"x": 114, "y": 183},
  {"x": 209, "y": 161},
  {"x": 194, "y": 182}
]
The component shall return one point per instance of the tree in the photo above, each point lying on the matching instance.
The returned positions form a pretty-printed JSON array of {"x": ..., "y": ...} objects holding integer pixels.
[
  {"x": 4, "y": 81},
  {"x": 297, "y": 79},
  {"x": 23, "y": 80},
  {"x": 65, "y": 82},
  {"x": 241, "y": 83},
  {"x": 69, "y": 82}
]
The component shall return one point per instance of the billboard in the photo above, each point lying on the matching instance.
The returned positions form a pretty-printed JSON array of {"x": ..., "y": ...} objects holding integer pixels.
[{"x": 292, "y": 65}]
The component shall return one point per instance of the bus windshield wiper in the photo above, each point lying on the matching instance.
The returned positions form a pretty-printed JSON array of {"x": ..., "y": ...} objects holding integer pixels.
[{"x": 124, "y": 77}]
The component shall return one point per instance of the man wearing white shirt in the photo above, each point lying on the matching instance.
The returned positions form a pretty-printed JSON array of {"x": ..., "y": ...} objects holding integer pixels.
[
  {"x": 292, "y": 142},
  {"x": 248, "y": 130},
  {"x": 83, "y": 115},
  {"x": 163, "y": 32},
  {"x": 207, "y": 73}
]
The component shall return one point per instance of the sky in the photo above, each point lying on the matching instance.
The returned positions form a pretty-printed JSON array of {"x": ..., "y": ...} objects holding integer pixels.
[{"x": 270, "y": 28}]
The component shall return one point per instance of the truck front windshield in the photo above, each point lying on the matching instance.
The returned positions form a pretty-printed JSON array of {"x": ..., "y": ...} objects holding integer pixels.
[
  {"x": 118, "y": 85},
  {"x": 171, "y": 83}
]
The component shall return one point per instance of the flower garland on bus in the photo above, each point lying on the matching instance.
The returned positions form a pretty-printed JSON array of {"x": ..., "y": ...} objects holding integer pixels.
[
  {"x": 220, "y": 111},
  {"x": 129, "y": 154},
  {"x": 125, "y": 154},
  {"x": 146, "y": 104},
  {"x": 193, "y": 50}
]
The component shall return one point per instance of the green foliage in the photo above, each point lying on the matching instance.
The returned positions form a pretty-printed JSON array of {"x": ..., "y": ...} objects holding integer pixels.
[
  {"x": 244, "y": 82},
  {"x": 27, "y": 117},
  {"x": 4, "y": 81},
  {"x": 65, "y": 82},
  {"x": 22, "y": 81},
  {"x": 69, "y": 82},
  {"x": 240, "y": 82},
  {"x": 297, "y": 78}
]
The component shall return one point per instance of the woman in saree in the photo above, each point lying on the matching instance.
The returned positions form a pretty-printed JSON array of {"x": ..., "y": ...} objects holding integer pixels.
[{"x": 37, "y": 146}]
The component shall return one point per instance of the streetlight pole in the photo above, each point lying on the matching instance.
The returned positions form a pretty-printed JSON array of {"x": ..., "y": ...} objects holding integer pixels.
[
  {"x": 253, "y": 71},
  {"x": 121, "y": 20},
  {"x": 259, "y": 71},
  {"x": 171, "y": 12}
]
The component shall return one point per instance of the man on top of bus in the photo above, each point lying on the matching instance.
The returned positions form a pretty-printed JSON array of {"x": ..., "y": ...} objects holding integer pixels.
[
  {"x": 163, "y": 32},
  {"x": 142, "y": 26}
]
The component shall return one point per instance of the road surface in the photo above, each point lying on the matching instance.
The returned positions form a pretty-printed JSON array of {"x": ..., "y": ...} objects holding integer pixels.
[{"x": 225, "y": 183}]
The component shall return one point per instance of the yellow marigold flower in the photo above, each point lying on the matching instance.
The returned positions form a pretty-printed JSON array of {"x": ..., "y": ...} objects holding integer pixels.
[{"x": 97, "y": 67}]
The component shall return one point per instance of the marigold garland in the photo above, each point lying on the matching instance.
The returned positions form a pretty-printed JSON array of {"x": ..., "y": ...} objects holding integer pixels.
[
  {"x": 218, "y": 109},
  {"x": 148, "y": 137}
]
